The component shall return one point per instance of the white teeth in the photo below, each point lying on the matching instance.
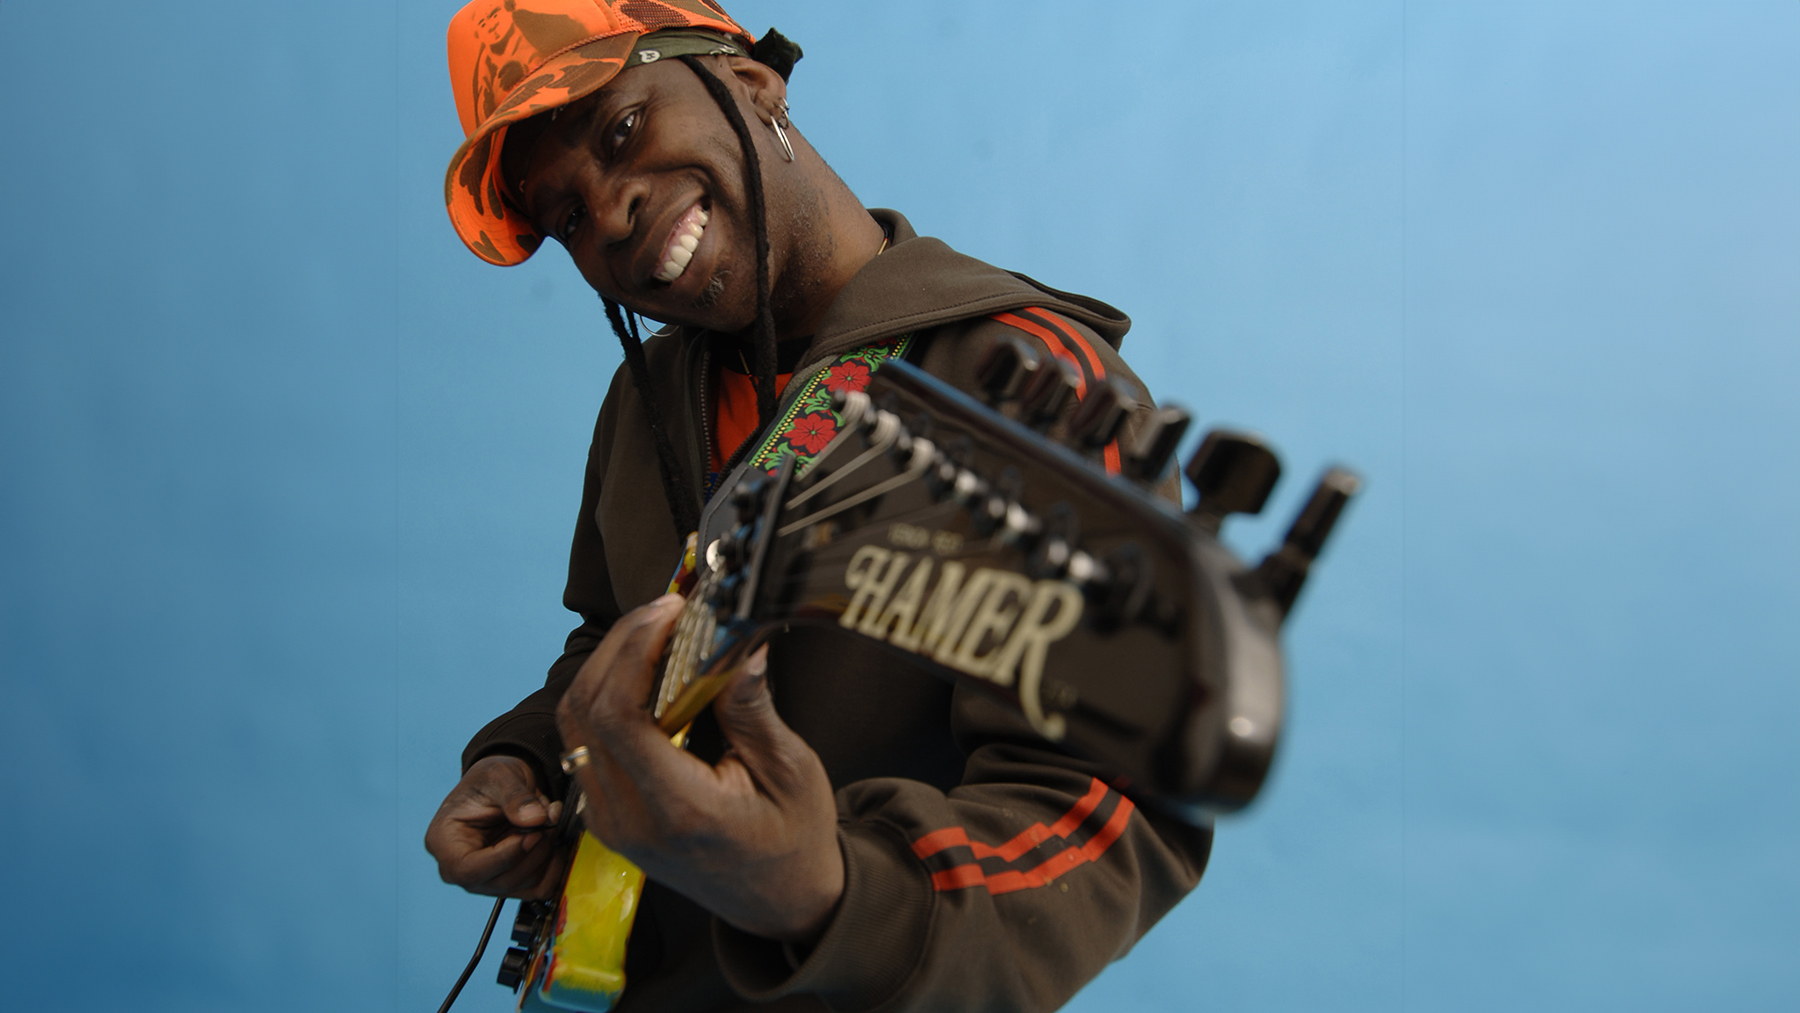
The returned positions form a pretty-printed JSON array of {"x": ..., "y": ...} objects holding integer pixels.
[{"x": 681, "y": 252}]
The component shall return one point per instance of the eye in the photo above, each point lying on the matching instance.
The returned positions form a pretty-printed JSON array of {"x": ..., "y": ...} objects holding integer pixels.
[
  {"x": 571, "y": 221},
  {"x": 621, "y": 131}
]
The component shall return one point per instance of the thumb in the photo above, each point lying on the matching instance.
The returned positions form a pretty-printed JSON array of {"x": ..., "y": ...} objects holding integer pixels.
[
  {"x": 523, "y": 806},
  {"x": 746, "y": 711}
]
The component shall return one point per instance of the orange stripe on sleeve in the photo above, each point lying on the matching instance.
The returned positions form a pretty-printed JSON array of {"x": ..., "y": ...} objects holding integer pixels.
[
  {"x": 1056, "y": 347},
  {"x": 938, "y": 840},
  {"x": 1072, "y": 336},
  {"x": 1060, "y": 338},
  {"x": 1009, "y": 880},
  {"x": 956, "y": 879},
  {"x": 1096, "y": 794},
  {"x": 1097, "y": 845},
  {"x": 1111, "y": 454}
]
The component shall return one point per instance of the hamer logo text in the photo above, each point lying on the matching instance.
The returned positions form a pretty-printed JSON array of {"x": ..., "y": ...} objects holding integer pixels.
[{"x": 992, "y": 624}]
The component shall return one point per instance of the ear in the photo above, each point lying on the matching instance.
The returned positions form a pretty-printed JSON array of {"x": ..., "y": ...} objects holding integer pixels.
[{"x": 762, "y": 85}]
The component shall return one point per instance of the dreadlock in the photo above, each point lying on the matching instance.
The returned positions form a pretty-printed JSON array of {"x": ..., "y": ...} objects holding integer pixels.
[
  {"x": 674, "y": 481},
  {"x": 759, "y": 223}
]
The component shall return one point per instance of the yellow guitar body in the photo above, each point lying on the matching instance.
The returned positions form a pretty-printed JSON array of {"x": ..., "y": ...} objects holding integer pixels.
[{"x": 583, "y": 967}]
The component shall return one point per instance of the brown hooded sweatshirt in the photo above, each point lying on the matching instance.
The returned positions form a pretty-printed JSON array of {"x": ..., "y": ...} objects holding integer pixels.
[{"x": 984, "y": 870}]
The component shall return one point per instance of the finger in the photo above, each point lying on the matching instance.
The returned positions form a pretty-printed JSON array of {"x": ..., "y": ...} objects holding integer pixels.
[
  {"x": 747, "y": 715},
  {"x": 526, "y": 808},
  {"x": 628, "y": 685},
  {"x": 627, "y": 655},
  {"x": 486, "y": 870},
  {"x": 629, "y": 790},
  {"x": 530, "y": 876},
  {"x": 549, "y": 880}
]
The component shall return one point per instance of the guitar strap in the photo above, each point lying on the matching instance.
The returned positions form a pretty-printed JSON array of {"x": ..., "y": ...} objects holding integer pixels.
[{"x": 810, "y": 422}]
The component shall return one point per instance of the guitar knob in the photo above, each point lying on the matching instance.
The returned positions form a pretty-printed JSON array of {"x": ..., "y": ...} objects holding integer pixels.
[
  {"x": 526, "y": 922},
  {"x": 1051, "y": 389},
  {"x": 1102, "y": 412},
  {"x": 1005, "y": 368},
  {"x": 512, "y": 968},
  {"x": 1234, "y": 473},
  {"x": 1150, "y": 455}
]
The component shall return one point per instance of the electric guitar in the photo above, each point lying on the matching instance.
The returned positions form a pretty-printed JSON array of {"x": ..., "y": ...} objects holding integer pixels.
[{"x": 1115, "y": 624}]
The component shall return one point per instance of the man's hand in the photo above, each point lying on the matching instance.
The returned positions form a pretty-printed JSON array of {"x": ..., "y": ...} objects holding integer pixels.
[
  {"x": 753, "y": 839},
  {"x": 478, "y": 835}
]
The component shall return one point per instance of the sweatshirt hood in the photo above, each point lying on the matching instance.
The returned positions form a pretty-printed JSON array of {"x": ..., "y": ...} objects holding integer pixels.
[{"x": 921, "y": 282}]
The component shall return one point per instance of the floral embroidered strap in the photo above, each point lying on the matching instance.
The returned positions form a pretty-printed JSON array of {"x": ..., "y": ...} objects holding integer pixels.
[{"x": 809, "y": 422}]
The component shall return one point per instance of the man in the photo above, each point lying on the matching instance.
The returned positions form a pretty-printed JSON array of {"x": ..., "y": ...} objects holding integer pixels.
[{"x": 845, "y": 832}]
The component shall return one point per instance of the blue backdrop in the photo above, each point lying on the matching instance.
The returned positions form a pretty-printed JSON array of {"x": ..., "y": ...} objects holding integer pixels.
[{"x": 286, "y": 475}]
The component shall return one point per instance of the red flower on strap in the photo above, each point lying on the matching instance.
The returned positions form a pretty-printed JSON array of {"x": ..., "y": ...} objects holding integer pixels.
[
  {"x": 811, "y": 432},
  {"x": 852, "y": 375}
]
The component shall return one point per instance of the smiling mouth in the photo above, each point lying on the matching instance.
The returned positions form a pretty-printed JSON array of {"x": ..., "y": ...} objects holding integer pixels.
[{"x": 684, "y": 239}]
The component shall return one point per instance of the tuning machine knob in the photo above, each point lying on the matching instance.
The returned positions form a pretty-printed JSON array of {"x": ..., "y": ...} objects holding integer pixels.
[
  {"x": 1284, "y": 571},
  {"x": 1051, "y": 389},
  {"x": 1005, "y": 368},
  {"x": 747, "y": 499},
  {"x": 1102, "y": 412},
  {"x": 1233, "y": 472},
  {"x": 1156, "y": 444}
]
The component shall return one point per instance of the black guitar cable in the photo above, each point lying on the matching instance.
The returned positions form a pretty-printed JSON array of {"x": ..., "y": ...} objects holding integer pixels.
[{"x": 480, "y": 948}]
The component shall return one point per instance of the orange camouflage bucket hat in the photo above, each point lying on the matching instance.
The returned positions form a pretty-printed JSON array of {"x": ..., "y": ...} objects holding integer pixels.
[{"x": 513, "y": 59}]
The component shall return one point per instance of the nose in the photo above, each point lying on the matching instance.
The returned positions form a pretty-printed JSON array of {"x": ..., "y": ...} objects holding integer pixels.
[{"x": 615, "y": 202}]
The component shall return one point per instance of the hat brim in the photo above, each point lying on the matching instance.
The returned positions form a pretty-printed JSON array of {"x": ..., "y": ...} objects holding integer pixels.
[{"x": 486, "y": 223}]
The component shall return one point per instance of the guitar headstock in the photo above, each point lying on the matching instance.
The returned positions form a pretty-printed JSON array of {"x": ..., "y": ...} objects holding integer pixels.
[{"x": 1116, "y": 624}]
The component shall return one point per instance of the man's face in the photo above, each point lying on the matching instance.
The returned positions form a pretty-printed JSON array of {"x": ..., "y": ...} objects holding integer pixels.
[{"x": 629, "y": 177}]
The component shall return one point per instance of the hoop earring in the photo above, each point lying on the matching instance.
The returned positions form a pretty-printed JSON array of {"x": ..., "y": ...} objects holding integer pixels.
[{"x": 781, "y": 135}]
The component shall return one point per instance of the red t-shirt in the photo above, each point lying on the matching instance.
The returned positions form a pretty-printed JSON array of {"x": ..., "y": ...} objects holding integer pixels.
[{"x": 734, "y": 412}]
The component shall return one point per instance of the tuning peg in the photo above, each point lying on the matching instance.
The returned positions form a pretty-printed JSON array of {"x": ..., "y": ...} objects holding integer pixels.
[
  {"x": 1055, "y": 547},
  {"x": 1050, "y": 390},
  {"x": 1284, "y": 570},
  {"x": 1119, "y": 588},
  {"x": 1005, "y": 368},
  {"x": 1234, "y": 473},
  {"x": 747, "y": 499},
  {"x": 731, "y": 549},
  {"x": 851, "y": 406},
  {"x": 1156, "y": 444},
  {"x": 1102, "y": 412}
]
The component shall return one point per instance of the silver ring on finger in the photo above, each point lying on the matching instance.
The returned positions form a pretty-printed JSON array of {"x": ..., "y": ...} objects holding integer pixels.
[{"x": 574, "y": 759}]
